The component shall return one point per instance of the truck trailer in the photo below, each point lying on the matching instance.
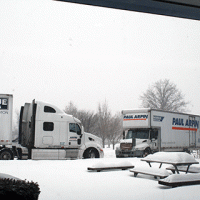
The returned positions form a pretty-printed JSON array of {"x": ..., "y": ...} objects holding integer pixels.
[
  {"x": 45, "y": 132},
  {"x": 146, "y": 131}
]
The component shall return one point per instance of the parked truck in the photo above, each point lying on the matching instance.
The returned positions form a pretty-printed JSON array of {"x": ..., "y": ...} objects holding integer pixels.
[
  {"x": 45, "y": 132},
  {"x": 149, "y": 130}
]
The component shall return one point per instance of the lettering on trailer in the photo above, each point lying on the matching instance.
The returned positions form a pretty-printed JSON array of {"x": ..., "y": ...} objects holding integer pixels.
[
  {"x": 3, "y": 104},
  {"x": 72, "y": 138},
  {"x": 3, "y": 112},
  {"x": 190, "y": 125},
  {"x": 135, "y": 117}
]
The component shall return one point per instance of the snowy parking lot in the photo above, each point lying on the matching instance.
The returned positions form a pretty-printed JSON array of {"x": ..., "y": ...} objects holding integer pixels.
[{"x": 70, "y": 179}]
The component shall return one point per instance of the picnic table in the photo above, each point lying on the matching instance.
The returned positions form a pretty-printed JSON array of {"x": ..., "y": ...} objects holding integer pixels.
[
  {"x": 174, "y": 158},
  {"x": 181, "y": 162}
]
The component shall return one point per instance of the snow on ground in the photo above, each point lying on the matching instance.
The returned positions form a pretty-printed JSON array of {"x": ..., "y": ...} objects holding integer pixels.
[{"x": 69, "y": 179}]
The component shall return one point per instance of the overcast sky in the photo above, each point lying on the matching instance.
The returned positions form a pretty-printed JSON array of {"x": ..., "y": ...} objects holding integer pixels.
[{"x": 59, "y": 52}]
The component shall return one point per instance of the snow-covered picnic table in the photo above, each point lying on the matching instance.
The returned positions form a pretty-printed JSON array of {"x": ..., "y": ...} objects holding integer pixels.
[{"x": 174, "y": 158}]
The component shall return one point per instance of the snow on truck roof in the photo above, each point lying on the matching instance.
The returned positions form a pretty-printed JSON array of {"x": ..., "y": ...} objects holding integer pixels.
[
  {"x": 145, "y": 110},
  {"x": 136, "y": 110}
]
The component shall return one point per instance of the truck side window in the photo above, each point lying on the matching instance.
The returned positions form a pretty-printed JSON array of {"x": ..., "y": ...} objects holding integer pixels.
[
  {"x": 74, "y": 128},
  {"x": 48, "y": 126},
  {"x": 49, "y": 109}
]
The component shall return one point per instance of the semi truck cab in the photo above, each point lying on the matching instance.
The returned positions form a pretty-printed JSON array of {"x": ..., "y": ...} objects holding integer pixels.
[
  {"x": 138, "y": 142},
  {"x": 50, "y": 133}
]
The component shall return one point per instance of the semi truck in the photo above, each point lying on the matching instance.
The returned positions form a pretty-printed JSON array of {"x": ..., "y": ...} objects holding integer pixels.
[
  {"x": 45, "y": 132},
  {"x": 146, "y": 131}
]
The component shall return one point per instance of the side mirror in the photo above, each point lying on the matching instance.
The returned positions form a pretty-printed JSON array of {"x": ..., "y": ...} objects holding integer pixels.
[
  {"x": 123, "y": 134},
  {"x": 79, "y": 141}
]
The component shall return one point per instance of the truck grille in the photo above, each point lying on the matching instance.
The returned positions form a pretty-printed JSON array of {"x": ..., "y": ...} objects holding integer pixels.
[{"x": 126, "y": 146}]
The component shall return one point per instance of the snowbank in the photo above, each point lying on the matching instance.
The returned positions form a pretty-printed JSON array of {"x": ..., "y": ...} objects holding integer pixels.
[
  {"x": 2, "y": 176},
  {"x": 171, "y": 157}
]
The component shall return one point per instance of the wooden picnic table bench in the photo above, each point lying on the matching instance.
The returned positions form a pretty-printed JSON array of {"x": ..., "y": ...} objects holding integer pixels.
[
  {"x": 98, "y": 169},
  {"x": 100, "y": 166},
  {"x": 176, "y": 180},
  {"x": 161, "y": 173}
]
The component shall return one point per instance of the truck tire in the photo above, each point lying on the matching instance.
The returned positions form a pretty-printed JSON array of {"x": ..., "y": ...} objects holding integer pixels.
[
  {"x": 147, "y": 151},
  {"x": 6, "y": 154},
  {"x": 91, "y": 153}
]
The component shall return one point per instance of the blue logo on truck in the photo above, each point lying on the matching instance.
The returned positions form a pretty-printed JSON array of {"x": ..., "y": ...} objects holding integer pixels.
[{"x": 158, "y": 118}]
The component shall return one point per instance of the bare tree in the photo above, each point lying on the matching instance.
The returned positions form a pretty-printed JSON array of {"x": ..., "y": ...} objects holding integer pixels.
[
  {"x": 71, "y": 109},
  {"x": 164, "y": 95},
  {"x": 115, "y": 129},
  {"x": 103, "y": 123},
  {"x": 86, "y": 117}
]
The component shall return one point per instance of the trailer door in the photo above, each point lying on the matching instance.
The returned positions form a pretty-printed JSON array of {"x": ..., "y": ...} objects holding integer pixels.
[{"x": 192, "y": 132}]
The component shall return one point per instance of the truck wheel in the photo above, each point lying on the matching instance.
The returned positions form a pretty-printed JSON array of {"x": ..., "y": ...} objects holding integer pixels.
[
  {"x": 91, "y": 153},
  {"x": 147, "y": 151},
  {"x": 6, "y": 154}
]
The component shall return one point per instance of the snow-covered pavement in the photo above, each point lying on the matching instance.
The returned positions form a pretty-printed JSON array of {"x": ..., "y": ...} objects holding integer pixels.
[{"x": 69, "y": 179}]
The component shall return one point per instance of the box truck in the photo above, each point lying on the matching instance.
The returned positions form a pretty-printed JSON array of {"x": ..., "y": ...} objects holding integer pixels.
[
  {"x": 149, "y": 130},
  {"x": 45, "y": 132}
]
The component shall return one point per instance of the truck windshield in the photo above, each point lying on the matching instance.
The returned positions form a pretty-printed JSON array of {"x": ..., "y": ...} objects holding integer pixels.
[{"x": 140, "y": 134}]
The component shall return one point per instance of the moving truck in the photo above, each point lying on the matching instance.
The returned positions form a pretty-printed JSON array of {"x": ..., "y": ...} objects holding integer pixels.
[
  {"x": 45, "y": 132},
  {"x": 149, "y": 130}
]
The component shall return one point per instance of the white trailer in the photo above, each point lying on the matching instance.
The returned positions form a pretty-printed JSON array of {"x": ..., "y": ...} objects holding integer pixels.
[
  {"x": 6, "y": 109},
  {"x": 150, "y": 130},
  {"x": 45, "y": 132}
]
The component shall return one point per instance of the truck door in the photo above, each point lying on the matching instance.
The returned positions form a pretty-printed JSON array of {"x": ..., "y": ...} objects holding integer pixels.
[
  {"x": 75, "y": 135},
  {"x": 192, "y": 132},
  {"x": 154, "y": 139}
]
